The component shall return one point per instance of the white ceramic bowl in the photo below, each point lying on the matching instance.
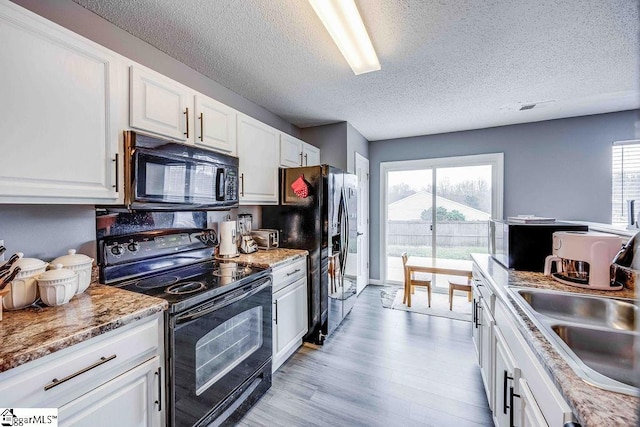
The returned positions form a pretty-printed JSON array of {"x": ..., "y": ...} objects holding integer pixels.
[
  {"x": 23, "y": 290},
  {"x": 79, "y": 263},
  {"x": 57, "y": 286}
]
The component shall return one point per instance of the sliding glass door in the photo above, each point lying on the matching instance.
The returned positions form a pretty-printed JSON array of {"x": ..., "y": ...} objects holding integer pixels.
[{"x": 438, "y": 208}]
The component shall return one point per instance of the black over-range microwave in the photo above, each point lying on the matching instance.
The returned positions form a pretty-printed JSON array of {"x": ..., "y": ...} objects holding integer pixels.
[
  {"x": 166, "y": 175},
  {"x": 525, "y": 246}
]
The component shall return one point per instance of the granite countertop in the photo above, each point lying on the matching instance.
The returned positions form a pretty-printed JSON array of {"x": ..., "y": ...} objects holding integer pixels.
[
  {"x": 273, "y": 258},
  {"x": 34, "y": 332},
  {"x": 591, "y": 405}
]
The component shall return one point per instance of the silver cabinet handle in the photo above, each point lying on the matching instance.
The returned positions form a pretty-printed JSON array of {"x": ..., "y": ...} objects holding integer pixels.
[
  {"x": 201, "y": 127},
  {"x": 275, "y": 310},
  {"x": 242, "y": 184},
  {"x": 117, "y": 184},
  {"x": 56, "y": 382},
  {"x": 306, "y": 162},
  {"x": 186, "y": 114},
  {"x": 159, "y": 401},
  {"x": 293, "y": 272}
]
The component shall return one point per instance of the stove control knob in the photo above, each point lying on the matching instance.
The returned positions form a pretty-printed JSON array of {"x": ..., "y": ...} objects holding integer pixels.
[
  {"x": 117, "y": 250},
  {"x": 133, "y": 247}
]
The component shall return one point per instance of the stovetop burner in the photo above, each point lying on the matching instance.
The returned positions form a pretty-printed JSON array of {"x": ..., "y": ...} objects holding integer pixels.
[
  {"x": 185, "y": 288},
  {"x": 160, "y": 282},
  {"x": 192, "y": 284}
]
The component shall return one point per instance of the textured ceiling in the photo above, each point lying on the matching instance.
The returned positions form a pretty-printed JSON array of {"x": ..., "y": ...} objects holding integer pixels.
[{"x": 447, "y": 65}]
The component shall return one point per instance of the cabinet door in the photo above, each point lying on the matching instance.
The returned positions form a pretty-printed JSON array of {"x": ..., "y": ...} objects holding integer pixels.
[
  {"x": 487, "y": 324},
  {"x": 215, "y": 125},
  {"x": 58, "y": 96},
  {"x": 132, "y": 399},
  {"x": 290, "y": 151},
  {"x": 531, "y": 416},
  {"x": 259, "y": 153},
  {"x": 160, "y": 105},
  {"x": 506, "y": 379},
  {"x": 310, "y": 155},
  {"x": 290, "y": 320}
]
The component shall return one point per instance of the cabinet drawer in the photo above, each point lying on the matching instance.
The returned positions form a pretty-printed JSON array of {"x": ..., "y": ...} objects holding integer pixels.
[
  {"x": 61, "y": 377},
  {"x": 289, "y": 273}
]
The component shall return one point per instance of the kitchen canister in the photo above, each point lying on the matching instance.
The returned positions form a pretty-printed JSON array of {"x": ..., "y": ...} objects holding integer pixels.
[
  {"x": 23, "y": 290},
  {"x": 57, "y": 286},
  {"x": 79, "y": 263}
]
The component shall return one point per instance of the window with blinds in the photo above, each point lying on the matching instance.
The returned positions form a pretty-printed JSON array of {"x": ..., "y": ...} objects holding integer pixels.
[{"x": 625, "y": 180}]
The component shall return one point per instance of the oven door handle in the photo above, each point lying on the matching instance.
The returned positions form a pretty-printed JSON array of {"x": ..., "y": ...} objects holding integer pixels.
[{"x": 223, "y": 301}]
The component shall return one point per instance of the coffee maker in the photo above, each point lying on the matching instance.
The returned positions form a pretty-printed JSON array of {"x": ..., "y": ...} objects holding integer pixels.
[
  {"x": 583, "y": 259},
  {"x": 247, "y": 244}
]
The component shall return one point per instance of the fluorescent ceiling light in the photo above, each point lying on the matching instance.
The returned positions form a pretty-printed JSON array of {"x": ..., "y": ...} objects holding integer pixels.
[{"x": 343, "y": 21}]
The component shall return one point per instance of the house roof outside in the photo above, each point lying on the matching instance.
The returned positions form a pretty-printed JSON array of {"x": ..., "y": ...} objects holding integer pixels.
[{"x": 411, "y": 207}]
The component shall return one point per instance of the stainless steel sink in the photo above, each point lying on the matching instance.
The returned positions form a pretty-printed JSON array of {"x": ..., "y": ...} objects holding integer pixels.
[
  {"x": 595, "y": 335},
  {"x": 583, "y": 309},
  {"x": 608, "y": 352}
]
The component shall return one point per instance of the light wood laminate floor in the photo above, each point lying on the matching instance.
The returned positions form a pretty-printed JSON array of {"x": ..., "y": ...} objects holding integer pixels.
[{"x": 381, "y": 367}]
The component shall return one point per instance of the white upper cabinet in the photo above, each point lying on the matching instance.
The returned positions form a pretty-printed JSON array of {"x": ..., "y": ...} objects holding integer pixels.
[
  {"x": 310, "y": 155},
  {"x": 58, "y": 111},
  {"x": 215, "y": 125},
  {"x": 259, "y": 153},
  {"x": 294, "y": 152},
  {"x": 160, "y": 105},
  {"x": 290, "y": 151}
]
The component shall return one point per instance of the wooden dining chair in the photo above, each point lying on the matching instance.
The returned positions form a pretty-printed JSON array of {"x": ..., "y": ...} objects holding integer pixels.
[
  {"x": 410, "y": 282},
  {"x": 459, "y": 285}
]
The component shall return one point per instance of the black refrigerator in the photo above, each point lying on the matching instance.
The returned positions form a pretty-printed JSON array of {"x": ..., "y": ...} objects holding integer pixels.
[{"x": 317, "y": 211}]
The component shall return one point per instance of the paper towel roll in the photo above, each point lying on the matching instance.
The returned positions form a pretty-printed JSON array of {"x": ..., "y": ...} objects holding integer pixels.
[{"x": 228, "y": 242}]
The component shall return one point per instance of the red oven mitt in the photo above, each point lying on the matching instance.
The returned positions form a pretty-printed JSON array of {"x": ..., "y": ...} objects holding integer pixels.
[{"x": 300, "y": 187}]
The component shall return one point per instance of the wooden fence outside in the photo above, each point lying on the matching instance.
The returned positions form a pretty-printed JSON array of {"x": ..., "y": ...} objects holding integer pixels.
[{"x": 450, "y": 234}]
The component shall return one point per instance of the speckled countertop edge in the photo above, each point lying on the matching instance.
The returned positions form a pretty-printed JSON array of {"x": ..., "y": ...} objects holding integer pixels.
[
  {"x": 31, "y": 333},
  {"x": 591, "y": 405},
  {"x": 273, "y": 258}
]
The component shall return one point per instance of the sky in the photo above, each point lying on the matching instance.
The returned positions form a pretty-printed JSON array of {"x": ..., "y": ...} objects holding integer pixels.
[{"x": 418, "y": 179}]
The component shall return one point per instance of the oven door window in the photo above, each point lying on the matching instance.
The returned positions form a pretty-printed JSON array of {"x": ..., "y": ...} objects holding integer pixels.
[{"x": 225, "y": 347}]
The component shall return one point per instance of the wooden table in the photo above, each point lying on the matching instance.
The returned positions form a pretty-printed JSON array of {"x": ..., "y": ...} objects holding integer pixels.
[{"x": 454, "y": 267}]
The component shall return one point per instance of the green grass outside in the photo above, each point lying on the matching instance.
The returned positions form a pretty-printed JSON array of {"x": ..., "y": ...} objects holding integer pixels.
[{"x": 461, "y": 252}]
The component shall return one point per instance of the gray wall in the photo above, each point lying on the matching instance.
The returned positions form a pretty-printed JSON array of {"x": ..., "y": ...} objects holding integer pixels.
[
  {"x": 48, "y": 231},
  {"x": 84, "y": 22},
  {"x": 356, "y": 143},
  {"x": 338, "y": 144},
  {"x": 332, "y": 141},
  {"x": 558, "y": 168}
]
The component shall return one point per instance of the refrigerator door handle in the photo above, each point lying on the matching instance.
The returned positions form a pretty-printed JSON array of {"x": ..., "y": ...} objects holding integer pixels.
[{"x": 344, "y": 234}]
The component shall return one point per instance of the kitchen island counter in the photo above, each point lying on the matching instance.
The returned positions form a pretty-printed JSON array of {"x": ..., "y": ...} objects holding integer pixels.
[
  {"x": 592, "y": 406},
  {"x": 37, "y": 331}
]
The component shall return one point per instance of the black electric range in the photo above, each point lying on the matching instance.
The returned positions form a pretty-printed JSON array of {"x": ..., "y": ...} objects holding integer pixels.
[{"x": 218, "y": 326}]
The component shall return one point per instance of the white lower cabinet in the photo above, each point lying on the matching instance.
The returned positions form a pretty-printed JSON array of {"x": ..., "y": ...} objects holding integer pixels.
[
  {"x": 127, "y": 400},
  {"x": 290, "y": 321},
  {"x": 530, "y": 414},
  {"x": 519, "y": 390},
  {"x": 506, "y": 380},
  {"x": 116, "y": 378}
]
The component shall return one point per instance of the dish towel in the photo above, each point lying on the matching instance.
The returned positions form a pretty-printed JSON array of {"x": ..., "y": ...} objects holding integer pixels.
[{"x": 300, "y": 187}]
